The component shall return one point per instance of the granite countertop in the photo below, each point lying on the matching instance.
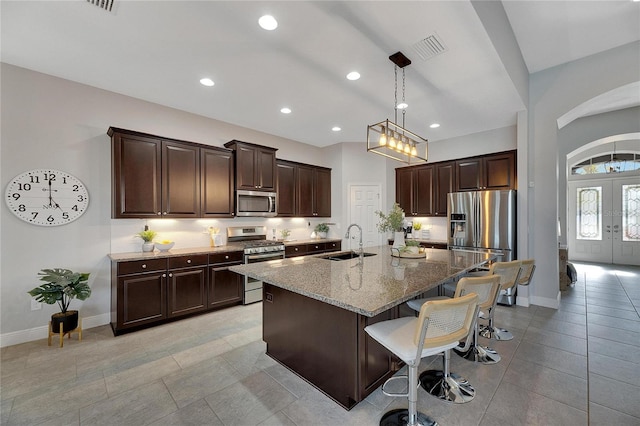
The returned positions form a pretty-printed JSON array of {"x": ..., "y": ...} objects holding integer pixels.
[
  {"x": 309, "y": 241},
  {"x": 370, "y": 287},
  {"x": 174, "y": 252}
]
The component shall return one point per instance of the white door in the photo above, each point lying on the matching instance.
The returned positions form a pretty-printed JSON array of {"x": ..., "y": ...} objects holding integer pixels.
[
  {"x": 364, "y": 201},
  {"x": 604, "y": 221}
]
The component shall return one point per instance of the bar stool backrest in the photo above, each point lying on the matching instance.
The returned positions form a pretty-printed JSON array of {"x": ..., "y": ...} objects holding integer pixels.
[
  {"x": 486, "y": 287},
  {"x": 444, "y": 322},
  {"x": 526, "y": 271},
  {"x": 508, "y": 272}
]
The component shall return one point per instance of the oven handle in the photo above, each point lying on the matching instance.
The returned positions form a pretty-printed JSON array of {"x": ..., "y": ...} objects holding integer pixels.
[{"x": 263, "y": 256}]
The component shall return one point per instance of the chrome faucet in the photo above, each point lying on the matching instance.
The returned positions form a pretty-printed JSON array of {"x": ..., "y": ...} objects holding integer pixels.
[{"x": 347, "y": 235}]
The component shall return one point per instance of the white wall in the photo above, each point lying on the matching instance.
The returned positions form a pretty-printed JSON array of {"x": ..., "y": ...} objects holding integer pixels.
[
  {"x": 55, "y": 123},
  {"x": 553, "y": 92}
]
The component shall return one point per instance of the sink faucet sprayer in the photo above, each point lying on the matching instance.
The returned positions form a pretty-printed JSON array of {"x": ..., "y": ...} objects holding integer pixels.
[{"x": 361, "y": 252}]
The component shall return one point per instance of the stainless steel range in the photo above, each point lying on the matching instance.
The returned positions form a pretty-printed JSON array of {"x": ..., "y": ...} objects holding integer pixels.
[{"x": 256, "y": 249}]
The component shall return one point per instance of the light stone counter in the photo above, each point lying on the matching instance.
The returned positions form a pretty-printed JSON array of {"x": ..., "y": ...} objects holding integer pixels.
[
  {"x": 173, "y": 252},
  {"x": 368, "y": 287}
]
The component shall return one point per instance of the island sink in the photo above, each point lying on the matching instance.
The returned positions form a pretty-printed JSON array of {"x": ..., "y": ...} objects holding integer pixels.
[{"x": 347, "y": 256}]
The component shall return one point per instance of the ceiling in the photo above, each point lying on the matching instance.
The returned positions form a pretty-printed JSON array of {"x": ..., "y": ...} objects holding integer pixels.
[{"x": 158, "y": 51}]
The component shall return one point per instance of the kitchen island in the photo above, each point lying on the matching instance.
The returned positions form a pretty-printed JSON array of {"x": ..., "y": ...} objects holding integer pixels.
[{"x": 315, "y": 311}]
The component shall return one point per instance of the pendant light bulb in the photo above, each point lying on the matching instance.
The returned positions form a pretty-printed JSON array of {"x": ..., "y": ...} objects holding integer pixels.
[
  {"x": 414, "y": 151},
  {"x": 392, "y": 141},
  {"x": 383, "y": 140},
  {"x": 400, "y": 146},
  {"x": 407, "y": 149}
]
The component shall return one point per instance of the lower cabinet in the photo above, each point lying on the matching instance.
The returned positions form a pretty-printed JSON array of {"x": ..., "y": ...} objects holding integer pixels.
[
  {"x": 225, "y": 287},
  {"x": 187, "y": 280},
  {"x": 312, "y": 248},
  {"x": 149, "y": 292}
]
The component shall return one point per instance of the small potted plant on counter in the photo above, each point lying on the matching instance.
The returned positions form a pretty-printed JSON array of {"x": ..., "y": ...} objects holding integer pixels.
[
  {"x": 147, "y": 237},
  {"x": 61, "y": 286},
  {"x": 412, "y": 246},
  {"x": 321, "y": 230},
  {"x": 394, "y": 222}
]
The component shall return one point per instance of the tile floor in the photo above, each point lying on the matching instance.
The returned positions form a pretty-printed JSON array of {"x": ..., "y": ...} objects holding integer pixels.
[{"x": 577, "y": 365}]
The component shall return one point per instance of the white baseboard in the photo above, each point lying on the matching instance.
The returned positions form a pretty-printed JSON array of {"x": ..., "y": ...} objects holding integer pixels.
[
  {"x": 522, "y": 301},
  {"x": 37, "y": 333},
  {"x": 546, "y": 301}
]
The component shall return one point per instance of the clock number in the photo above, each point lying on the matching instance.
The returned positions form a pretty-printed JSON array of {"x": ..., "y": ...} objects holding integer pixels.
[
  {"x": 22, "y": 208},
  {"x": 75, "y": 187},
  {"x": 35, "y": 214},
  {"x": 50, "y": 177},
  {"x": 64, "y": 180},
  {"x": 24, "y": 187},
  {"x": 65, "y": 215},
  {"x": 80, "y": 198},
  {"x": 75, "y": 208},
  {"x": 15, "y": 196},
  {"x": 50, "y": 219},
  {"x": 35, "y": 179}
]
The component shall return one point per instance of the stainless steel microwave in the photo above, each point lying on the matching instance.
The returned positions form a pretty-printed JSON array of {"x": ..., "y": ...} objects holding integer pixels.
[{"x": 255, "y": 203}]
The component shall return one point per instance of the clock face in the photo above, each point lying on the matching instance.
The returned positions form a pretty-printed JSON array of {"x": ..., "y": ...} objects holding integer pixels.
[{"x": 47, "y": 197}]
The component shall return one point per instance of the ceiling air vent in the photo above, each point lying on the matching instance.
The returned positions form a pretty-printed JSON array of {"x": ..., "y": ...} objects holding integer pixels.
[
  {"x": 103, "y": 4},
  {"x": 429, "y": 47}
]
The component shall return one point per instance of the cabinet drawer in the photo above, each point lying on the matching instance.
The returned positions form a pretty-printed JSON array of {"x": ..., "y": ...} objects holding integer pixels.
[
  {"x": 333, "y": 246},
  {"x": 316, "y": 247},
  {"x": 227, "y": 257},
  {"x": 292, "y": 251},
  {"x": 187, "y": 261},
  {"x": 140, "y": 266}
]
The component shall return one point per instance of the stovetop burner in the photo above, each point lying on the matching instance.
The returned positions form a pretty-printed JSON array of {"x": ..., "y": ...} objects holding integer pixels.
[{"x": 253, "y": 239}]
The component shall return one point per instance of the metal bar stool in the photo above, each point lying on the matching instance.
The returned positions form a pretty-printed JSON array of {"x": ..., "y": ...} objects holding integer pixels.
[
  {"x": 443, "y": 384},
  {"x": 509, "y": 273},
  {"x": 439, "y": 327}
]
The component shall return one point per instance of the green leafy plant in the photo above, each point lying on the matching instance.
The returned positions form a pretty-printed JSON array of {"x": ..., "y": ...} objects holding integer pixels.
[
  {"x": 322, "y": 227},
  {"x": 411, "y": 243},
  {"x": 285, "y": 233},
  {"x": 61, "y": 286},
  {"x": 147, "y": 235},
  {"x": 394, "y": 221}
]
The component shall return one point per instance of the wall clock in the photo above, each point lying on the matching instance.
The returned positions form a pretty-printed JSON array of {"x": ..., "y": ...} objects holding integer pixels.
[{"x": 47, "y": 197}]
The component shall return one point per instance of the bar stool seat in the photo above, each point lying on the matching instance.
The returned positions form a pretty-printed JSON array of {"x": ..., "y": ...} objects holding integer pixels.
[{"x": 439, "y": 327}]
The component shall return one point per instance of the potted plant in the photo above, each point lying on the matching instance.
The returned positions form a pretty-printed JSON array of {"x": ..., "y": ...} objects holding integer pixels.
[
  {"x": 394, "y": 222},
  {"x": 147, "y": 237},
  {"x": 61, "y": 286},
  {"x": 321, "y": 230},
  {"x": 412, "y": 246}
]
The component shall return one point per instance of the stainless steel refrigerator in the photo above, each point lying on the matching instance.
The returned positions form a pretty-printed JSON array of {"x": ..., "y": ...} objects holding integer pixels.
[{"x": 484, "y": 220}]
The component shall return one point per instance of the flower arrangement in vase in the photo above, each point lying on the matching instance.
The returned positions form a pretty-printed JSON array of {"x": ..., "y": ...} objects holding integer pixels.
[{"x": 394, "y": 222}]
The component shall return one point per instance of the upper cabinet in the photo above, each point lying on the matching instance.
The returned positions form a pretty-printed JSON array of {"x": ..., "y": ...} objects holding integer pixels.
[
  {"x": 217, "y": 171},
  {"x": 495, "y": 171},
  {"x": 414, "y": 190},
  {"x": 159, "y": 177},
  {"x": 303, "y": 190},
  {"x": 422, "y": 190},
  {"x": 255, "y": 166}
]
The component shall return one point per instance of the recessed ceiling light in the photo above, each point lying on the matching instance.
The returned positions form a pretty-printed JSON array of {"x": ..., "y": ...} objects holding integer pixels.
[
  {"x": 268, "y": 22},
  {"x": 353, "y": 75},
  {"x": 285, "y": 110},
  {"x": 336, "y": 128},
  {"x": 434, "y": 126},
  {"x": 206, "y": 82},
  {"x": 402, "y": 105}
]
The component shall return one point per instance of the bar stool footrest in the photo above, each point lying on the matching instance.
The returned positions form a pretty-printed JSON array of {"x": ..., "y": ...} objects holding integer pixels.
[{"x": 403, "y": 377}]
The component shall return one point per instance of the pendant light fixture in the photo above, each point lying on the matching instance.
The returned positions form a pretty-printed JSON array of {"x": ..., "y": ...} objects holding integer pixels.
[{"x": 389, "y": 139}]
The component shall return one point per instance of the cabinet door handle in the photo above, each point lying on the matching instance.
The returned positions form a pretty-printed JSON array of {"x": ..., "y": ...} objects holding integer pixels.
[
  {"x": 144, "y": 266},
  {"x": 188, "y": 260},
  {"x": 159, "y": 214},
  {"x": 164, "y": 213},
  {"x": 164, "y": 275},
  {"x": 170, "y": 274},
  {"x": 226, "y": 257}
]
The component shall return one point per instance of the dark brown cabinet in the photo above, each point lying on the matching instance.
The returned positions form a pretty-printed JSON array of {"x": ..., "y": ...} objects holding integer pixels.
[
  {"x": 149, "y": 292},
  {"x": 495, "y": 171},
  {"x": 444, "y": 184},
  {"x": 286, "y": 188},
  {"x": 255, "y": 166},
  {"x": 414, "y": 190},
  {"x": 155, "y": 177},
  {"x": 225, "y": 286},
  {"x": 217, "y": 175},
  {"x": 138, "y": 293},
  {"x": 187, "y": 277},
  {"x": 313, "y": 191},
  {"x": 303, "y": 190},
  {"x": 312, "y": 248}
]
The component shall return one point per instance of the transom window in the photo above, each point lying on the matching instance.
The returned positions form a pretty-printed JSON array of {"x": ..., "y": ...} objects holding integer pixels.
[{"x": 609, "y": 163}]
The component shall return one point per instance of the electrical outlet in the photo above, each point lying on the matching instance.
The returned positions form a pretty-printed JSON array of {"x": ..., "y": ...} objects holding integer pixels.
[{"x": 35, "y": 306}]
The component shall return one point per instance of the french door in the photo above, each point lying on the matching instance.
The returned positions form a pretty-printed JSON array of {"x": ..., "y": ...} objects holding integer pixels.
[{"x": 604, "y": 220}]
